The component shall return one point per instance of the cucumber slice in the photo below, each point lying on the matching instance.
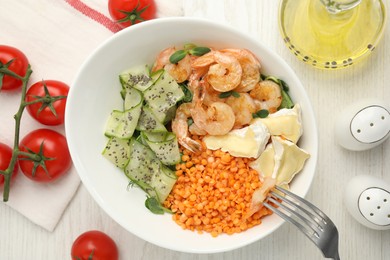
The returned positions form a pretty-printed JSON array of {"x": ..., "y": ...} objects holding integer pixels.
[
  {"x": 117, "y": 151},
  {"x": 149, "y": 122},
  {"x": 163, "y": 95},
  {"x": 143, "y": 162},
  {"x": 122, "y": 124},
  {"x": 132, "y": 98},
  {"x": 145, "y": 170},
  {"x": 145, "y": 187},
  {"x": 163, "y": 182},
  {"x": 156, "y": 137},
  {"x": 164, "y": 145},
  {"x": 137, "y": 77}
]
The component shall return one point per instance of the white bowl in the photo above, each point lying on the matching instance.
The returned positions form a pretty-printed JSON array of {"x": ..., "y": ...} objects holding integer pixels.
[{"x": 95, "y": 93}]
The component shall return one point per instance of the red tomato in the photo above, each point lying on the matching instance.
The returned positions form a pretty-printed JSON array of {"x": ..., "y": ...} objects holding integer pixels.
[
  {"x": 94, "y": 245},
  {"x": 51, "y": 151},
  {"x": 49, "y": 112},
  {"x": 5, "y": 159},
  {"x": 129, "y": 12},
  {"x": 18, "y": 66}
]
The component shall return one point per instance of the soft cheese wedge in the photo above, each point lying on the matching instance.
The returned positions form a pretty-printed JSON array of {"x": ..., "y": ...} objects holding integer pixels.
[
  {"x": 281, "y": 160},
  {"x": 247, "y": 142},
  {"x": 285, "y": 122}
]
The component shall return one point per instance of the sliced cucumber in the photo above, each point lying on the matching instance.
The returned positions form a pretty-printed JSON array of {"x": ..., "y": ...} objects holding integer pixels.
[
  {"x": 143, "y": 162},
  {"x": 163, "y": 95},
  {"x": 149, "y": 122},
  {"x": 145, "y": 187},
  {"x": 122, "y": 124},
  {"x": 164, "y": 145},
  {"x": 117, "y": 151},
  {"x": 139, "y": 142},
  {"x": 136, "y": 77},
  {"x": 156, "y": 137},
  {"x": 145, "y": 170},
  {"x": 163, "y": 182},
  {"x": 132, "y": 98}
]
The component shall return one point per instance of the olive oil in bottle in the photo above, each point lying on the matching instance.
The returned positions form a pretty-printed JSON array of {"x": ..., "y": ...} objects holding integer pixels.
[{"x": 331, "y": 40}]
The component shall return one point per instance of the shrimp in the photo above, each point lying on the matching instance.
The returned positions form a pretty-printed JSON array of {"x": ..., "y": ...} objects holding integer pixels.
[
  {"x": 250, "y": 68},
  {"x": 203, "y": 61},
  {"x": 180, "y": 127},
  {"x": 267, "y": 95},
  {"x": 217, "y": 119},
  {"x": 243, "y": 108},
  {"x": 226, "y": 74},
  {"x": 206, "y": 94},
  {"x": 224, "y": 71},
  {"x": 163, "y": 58},
  {"x": 180, "y": 71},
  {"x": 196, "y": 130}
]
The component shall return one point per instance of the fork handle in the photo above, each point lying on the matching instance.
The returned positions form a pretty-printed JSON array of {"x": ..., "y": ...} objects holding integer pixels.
[{"x": 336, "y": 257}]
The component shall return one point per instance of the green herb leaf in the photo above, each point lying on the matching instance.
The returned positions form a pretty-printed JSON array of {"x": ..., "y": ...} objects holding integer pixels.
[
  {"x": 154, "y": 205},
  {"x": 199, "y": 51},
  {"x": 187, "y": 93},
  {"x": 235, "y": 94},
  {"x": 228, "y": 94},
  {"x": 284, "y": 85},
  {"x": 189, "y": 46},
  {"x": 225, "y": 94},
  {"x": 177, "y": 56},
  {"x": 190, "y": 121},
  {"x": 286, "y": 100},
  {"x": 263, "y": 113}
]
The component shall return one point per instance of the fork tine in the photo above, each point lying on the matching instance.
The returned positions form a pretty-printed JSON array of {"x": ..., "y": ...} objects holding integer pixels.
[
  {"x": 325, "y": 218},
  {"x": 314, "y": 219},
  {"x": 310, "y": 220},
  {"x": 303, "y": 228},
  {"x": 313, "y": 227}
]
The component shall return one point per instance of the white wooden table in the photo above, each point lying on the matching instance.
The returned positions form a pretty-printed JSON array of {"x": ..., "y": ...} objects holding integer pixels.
[{"x": 329, "y": 91}]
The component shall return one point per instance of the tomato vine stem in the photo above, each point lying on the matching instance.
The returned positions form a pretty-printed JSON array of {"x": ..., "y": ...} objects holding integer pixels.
[{"x": 18, "y": 117}]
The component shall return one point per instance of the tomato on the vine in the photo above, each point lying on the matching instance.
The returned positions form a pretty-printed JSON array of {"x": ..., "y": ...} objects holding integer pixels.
[
  {"x": 48, "y": 157},
  {"x": 5, "y": 159},
  {"x": 129, "y": 12},
  {"x": 18, "y": 65},
  {"x": 51, "y": 111},
  {"x": 94, "y": 245}
]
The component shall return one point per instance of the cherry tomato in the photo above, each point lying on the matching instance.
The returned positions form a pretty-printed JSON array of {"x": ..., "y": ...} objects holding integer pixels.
[
  {"x": 18, "y": 66},
  {"x": 50, "y": 111},
  {"x": 94, "y": 245},
  {"x": 129, "y": 12},
  {"x": 51, "y": 151},
  {"x": 5, "y": 159}
]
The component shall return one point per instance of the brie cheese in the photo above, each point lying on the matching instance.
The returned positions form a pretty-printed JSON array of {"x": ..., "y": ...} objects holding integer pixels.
[{"x": 247, "y": 142}]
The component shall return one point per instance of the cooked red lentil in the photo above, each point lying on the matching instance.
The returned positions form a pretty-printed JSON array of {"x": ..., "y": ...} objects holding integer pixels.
[{"x": 213, "y": 193}]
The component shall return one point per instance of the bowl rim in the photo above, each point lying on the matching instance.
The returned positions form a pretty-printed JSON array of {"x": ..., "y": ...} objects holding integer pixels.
[{"x": 191, "y": 20}]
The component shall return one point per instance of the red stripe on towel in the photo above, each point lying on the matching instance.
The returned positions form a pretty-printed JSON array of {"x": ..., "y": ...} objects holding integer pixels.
[{"x": 94, "y": 15}]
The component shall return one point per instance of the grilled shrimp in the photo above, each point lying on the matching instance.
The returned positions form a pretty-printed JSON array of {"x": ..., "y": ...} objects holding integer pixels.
[
  {"x": 267, "y": 95},
  {"x": 216, "y": 119},
  {"x": 180, "y": 71},
  {"x": 224, "y": 71},
  {"x": 250, "y": 68},
  {"x": 180, "y": 127},
  {"x": 243, "y": 108}
]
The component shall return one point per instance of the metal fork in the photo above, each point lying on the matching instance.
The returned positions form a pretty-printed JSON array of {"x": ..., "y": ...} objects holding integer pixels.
[{"x": 318, "y": 227}]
